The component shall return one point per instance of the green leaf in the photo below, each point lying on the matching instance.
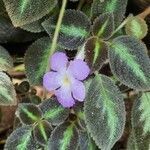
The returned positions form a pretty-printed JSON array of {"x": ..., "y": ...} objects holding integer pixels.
[
  {"x": 74, "y": 29},
  {"x": 8, "y": 33},
  {"x": 6, "y": 62},
  {"x": 42, "y": 132},
  {"x": 130, "y": 63},
  {"x": 140, "y": 135},
  {"x": 7, "y": 91},
  {"x": 136, "y": 27},
  {"x": 23, "y": 12},
  {"x": 21, "y": 139},
  {"x": 95, "y": 53},
  {"x": 64, "y": 137},
  {"x": 28, "y": 113},
  {"x": 103, "y": 26},
  {"x": 53, "y": 112},
  {"x": 36, "y": 60},
  {"x": 117, "y": 7},
  {"x": 86, "y": 142},
  {"x": 104, "y": 112}
]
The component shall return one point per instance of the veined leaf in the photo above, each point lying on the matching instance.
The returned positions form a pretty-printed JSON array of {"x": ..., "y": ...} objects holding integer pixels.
[
  {"x": 130, "y": 63},
  {"x": 104, "y": 112},
  {"x": 136, "y": 27},
  {"x": 117, "y": 7},
  {"x": 53, "y": 112},
  {"x": 74, "y": 29},
  {"x": 6, "y": 62},
  {"x": 64, "y": 137},
  {"x": 7, "y": 91},
  {"x": 21, "y": 139},
  {"x": 28, "y": 113},
  {"x": 140, "y": 135},
  {"x": 36, "y": 60},
  {"x": 103, "y": 26},
  {"x": 23, "y": 12},
  {"x": 95, "y": 53},
  {"x": 42, "y": 132},
  {"x": 86, "y": 142}
]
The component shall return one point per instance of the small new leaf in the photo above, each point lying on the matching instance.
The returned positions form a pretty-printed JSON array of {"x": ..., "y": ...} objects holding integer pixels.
[
  {"x": 104, "y": 112},
  {"x": 28, "y": 113},
  {"x": 136, "y": 27},
  {"x": 6, "y": 62},
  {"x": 74, "y": 29},
  {"x": 21, "y": 139},
  {"x": 95, "y": 53},
  {"x": 7, "y": 91},
  {"x": 117, "y": 7},
  {"x": 23, "y": 12},
  {"x": 64, "y": 137},
  {"x": 103, "y": 26},
  {"x": 42, "y": 132},
  {"x": 130, "y": 63},
  {"x": 53, "y": 112}
]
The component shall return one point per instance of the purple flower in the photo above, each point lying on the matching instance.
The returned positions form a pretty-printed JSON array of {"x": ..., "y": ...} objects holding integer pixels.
[{"x": 65, "y": 79}]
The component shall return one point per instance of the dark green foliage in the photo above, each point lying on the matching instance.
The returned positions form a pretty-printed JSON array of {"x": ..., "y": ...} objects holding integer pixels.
[
  {"x": 53, "y": 111},
  {"x": 64, "y": 137},
  {"x": 36, "y": 60},
  {"x": 7, "y": 91},
  {"x": 95, "y": 53},
  {"x": 130, "y": 63},
  {"x": 74, "y": 29},
  {"x": 117, "y": 7},
  {"x": 24, "y": 12},
  {"x": 42, "y": 132},
  {"x": 6, "y": 62},
  {"x": 140, "y": 135},
  {"x": 29, "y": 113},
  {"x": 104, "y": 112},
  {"x": 103, "y": 26},
  {"x": 21, "y": 139}
]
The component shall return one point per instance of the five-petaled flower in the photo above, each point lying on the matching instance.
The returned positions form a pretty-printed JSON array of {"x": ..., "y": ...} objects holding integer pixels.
[{"x": 65, "y": 79}]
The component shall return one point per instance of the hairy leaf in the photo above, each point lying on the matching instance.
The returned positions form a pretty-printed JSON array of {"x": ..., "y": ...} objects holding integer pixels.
[
  {"x": 64, "y": 137},
  {"x": 53, "y": 111},
  {"x": 103, "y": 26},
  {"x": 23, "y": 12},
  {"x": 28, "y": 113},
  {"x": 104, "y": 112},
  {"x": 74, "y": 29},
  {"x": 95, "y": 53},
  {"x": 117, "y": 7},
  {"x": 140, "y": 136},
  {"x": 42, "y": 132},
  {"x": 36, "y": 60},
  {"x": 86, "y": 142},
  {"x": 7, "y": 91},
  {"x": 130, "y": 63},
  {"x": 21, "y": 139},
  {"x": 6, "y": 62},
  {"x": 136, "y": 27}
]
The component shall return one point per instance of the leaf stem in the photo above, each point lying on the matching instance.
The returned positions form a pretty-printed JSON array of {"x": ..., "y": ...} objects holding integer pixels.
[{"x": 56, "y": 34}]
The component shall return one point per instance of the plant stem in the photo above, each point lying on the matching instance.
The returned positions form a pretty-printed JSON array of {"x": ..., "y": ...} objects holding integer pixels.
[
  {"x": 56, "y": 34},
  {"x": 81, "y": 2},
  {"x": 145, "y": 13}
]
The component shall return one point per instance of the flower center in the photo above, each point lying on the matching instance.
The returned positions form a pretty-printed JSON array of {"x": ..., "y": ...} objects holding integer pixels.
[{"x": 66, "y": 81}]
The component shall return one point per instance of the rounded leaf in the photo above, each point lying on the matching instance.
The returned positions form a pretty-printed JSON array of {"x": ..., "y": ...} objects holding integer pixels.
[
  {"x": 104, "y": 112},
  {"x": 53, "y": 111},
  {"x": 64, "y": 137},
  {"x": 74, "y": 29},
  {"x": 130, "y": 63},
  {"x": 27, "y": 11},
  {"x": 28, "y": 113}
]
